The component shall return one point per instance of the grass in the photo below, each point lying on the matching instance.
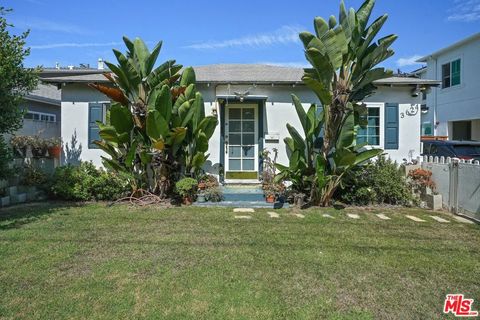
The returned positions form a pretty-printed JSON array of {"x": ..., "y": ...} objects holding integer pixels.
[{"x": 62, "y": 261}]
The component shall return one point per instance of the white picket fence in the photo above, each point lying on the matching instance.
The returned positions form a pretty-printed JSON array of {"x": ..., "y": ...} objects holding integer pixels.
[{"x": 458, "y": 181}]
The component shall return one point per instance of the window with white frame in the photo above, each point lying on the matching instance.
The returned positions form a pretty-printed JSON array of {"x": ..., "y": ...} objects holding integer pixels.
[
  {"x": 40, "y": 116},
  {"x": 451, "y": 74},
  {"x": 371, "y": 133}
]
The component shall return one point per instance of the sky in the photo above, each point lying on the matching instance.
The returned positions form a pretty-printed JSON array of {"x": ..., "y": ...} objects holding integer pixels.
[{"x": 212, "y": 31}]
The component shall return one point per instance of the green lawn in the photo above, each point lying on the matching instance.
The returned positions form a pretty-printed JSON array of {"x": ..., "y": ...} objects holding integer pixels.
[{"x": 92, "y": 262}]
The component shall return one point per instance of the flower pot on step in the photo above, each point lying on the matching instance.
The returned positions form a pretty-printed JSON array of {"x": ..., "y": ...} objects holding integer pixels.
[
  {"x": 187, "y": 201},
  {"x": 270, "y": 198},
  {"x": 55, "y": 152}
]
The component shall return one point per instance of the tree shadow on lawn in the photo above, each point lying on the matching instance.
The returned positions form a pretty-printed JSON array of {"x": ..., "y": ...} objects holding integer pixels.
[{"x": 19, "y": 215}]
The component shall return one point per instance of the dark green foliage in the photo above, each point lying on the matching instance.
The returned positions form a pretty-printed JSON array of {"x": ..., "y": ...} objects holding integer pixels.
[
  {"x": 15, "y": 80},
  {"x": 32, "y": 176},
  {"x": 85, "y": 182},
  {"x": 5, "y": 159},
  {"x": 378, "y": 182}
]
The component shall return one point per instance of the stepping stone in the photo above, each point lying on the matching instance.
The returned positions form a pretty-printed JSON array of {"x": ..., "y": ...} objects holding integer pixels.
[
  {"x": 353, "y": 216},
  {"x": 243, "y": 217},
  {"x": 439, "y": 219},
  {"x": 243, "y": 210},
  {"x": 325, "y": 215},
  {"x": 463, "y": 220},
  {"x": 299, "y": 215},
  {"x": 414, "y": 218},
  {"x": 382, "y": 216},
  {"x": 273, "y": 214}
]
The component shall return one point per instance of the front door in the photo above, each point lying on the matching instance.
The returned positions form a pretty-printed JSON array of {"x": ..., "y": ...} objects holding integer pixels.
[{"x": 241, "y": 142}]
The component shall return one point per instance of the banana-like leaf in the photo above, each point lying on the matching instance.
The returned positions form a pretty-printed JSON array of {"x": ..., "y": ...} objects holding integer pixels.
[
  {"x": 107, "y": 148},
  {"x": 343, "y": 158},
  {"x": 150, "y": 61},
  {"x": 199, "y": 106},
  {"x": 199, "y": 160},
  {"x": 323, "y": 94},
  {"x": 346, "y": 139},
  {"x": 113, "y": 93},
  {"x": 321, "y": 26},
  {"x": 157, "y": 126},
  {"x": 129, "y": 68},
  {"x": 121, "y": 118},
  {"x": 302, "y": 115},
  {"x": 176, "y": 137},
  {"x": 363, "y": 13},
  {"x": 142, "y": 54},
  {"x": 201, "y": 142},
  {"x": 130, "y": 157},
  {"x": 298, "y": 140},
  {"x": 289, "y": 143},
  {"x": 332, "y": 22},
  {"x": 207, "y": 126},
  {"x": 366, "y": 155},
  {"x": 108, "y": 133},
  {"x": 112, "y": 164},
  {"x": 163, "y": 103},
  {"x": 188, "y": 77}
]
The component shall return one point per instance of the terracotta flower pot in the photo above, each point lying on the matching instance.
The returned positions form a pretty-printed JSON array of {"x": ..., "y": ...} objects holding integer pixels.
[
  {"x": 55, "y": 151},
  {"x": 270, "y": 198},
  {"x": 187, "y": 200}
]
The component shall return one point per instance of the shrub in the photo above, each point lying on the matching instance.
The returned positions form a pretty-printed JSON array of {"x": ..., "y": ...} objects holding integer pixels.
[
  {"x": 85, "y": 182},
  {"x": 186, "y": 187},
  {"x": 376, "y": 182},
  {"x": 33, "y": 176}
]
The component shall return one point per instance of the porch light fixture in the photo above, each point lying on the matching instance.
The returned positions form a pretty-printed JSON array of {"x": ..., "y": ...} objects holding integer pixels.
[{"x": 241, "y": 95}]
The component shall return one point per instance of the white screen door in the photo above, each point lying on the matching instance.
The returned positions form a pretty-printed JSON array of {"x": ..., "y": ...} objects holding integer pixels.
[{"x": 241, "y": 147}]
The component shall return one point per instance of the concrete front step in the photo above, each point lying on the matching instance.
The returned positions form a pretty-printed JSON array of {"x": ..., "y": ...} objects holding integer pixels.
[{"x": 18, "y": 198}]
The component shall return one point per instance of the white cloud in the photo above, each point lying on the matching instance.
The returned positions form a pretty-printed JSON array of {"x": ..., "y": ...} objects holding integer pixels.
[
  {"x": 74, "y": 45},
  {"x": 284, "y": 35},
  {"x": 292, "y": 64},
  {"x": 465, "y": 11},
  {"x": 46, "y": 25},
  {"x": 409, "y": 61}
]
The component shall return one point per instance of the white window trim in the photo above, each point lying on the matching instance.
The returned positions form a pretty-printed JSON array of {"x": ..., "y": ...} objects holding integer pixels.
[
  {"x": 381, "y": 107},
  {"x": 40, "y": 114}
]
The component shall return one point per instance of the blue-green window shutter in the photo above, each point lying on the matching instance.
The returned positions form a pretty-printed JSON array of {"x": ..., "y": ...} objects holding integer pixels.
[
  {"x": 95, "y": 113},
  {"x": 391, "y": 126}
]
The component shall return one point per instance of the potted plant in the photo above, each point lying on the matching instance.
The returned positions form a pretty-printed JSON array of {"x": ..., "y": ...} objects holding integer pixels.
[
  {"x": 39, "y": 147},
  {"x": 269, "y": 193},
  {"x": 20, "y": 145},
  {"x": 54, "y": 147},
  {"x": 214, "y": 194},
  {"x": 187, "y": 188},
  {"x": 201, "y": 197}
]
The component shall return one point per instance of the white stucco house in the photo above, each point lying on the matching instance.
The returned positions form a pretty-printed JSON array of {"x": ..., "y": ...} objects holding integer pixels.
[
  {"x": 253, "y": 104},
  {"x": 453, "y": 109}
]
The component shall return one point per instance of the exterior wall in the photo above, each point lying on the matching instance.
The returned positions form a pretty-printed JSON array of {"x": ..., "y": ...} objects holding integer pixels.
[
  {"x": 41, "y": 128},
  {"x": 409, "y": 120},
  {"x": 278, "y": 111},
  {"x": 461, "y": 102},
  {"x": 74, "y": 126}
]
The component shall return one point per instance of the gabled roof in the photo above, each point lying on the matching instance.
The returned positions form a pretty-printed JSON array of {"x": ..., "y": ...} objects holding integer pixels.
[
  {"x": 46, "y": 93},
  {"x": 474, "y": 37},
  {"x": 245, "y": 73}
]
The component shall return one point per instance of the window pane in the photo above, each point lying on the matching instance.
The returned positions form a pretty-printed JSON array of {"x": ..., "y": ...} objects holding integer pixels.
[
  {"x": 234, "y": 126},
  {"x": 234, "y": 164},
  {"x": 374, "y": 140},
  {"x": 446, "y": 75},
  {"x": 95, "y": 114},
  {"x": 373, "y": 112},
  {"x": 372, "y": 131},
  {"x": 362, "y": 131},
  {"x": 456, "y": 66},
  {"x": 235, "y": 152},
  {"x": 36, "y": 116},
  {"x": 28, "y": 116},
  {"x": 248, "y": 126},
  {"x": 455, "y": 79},
  {"x": 248, "y": 138},
  {"x": 235, "y": 113},
  {"x": 361, "y": 139},
  {"x": 248, "y": 113},
  {"x": 248, "y": 164},
  {"x": 374, "y": 121},
  {"x": 235, "y": 139},
  {"x": 249, "y": 151}
]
